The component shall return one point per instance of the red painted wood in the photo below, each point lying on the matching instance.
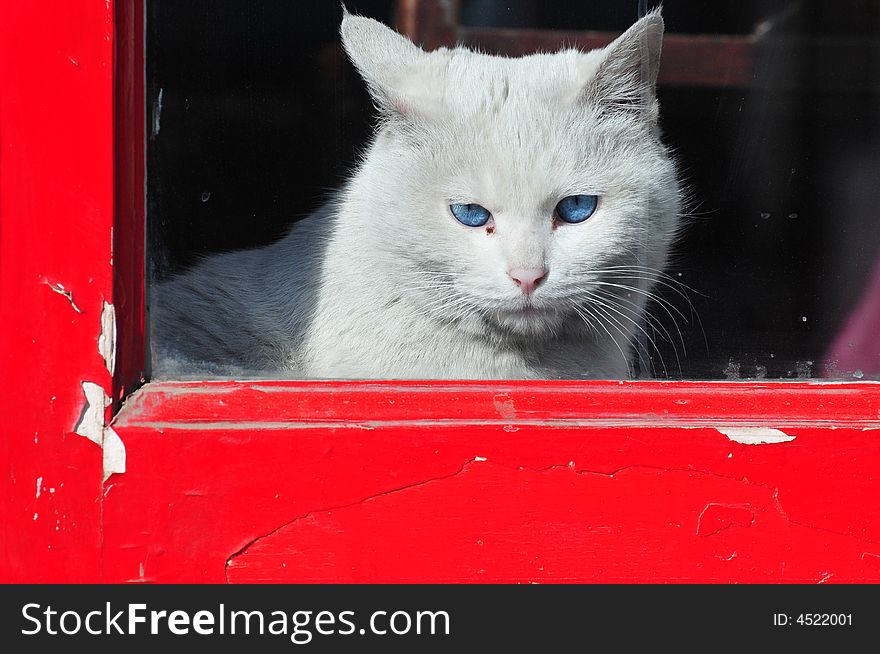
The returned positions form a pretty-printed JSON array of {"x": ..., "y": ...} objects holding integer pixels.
[
  {"x": 378, "y": 481},
  {"x": 56, "y": 219},
  {"x": 268, "y": 403},
  {"x": 328, "y": 496},
  {"x": 129, "y": 229},
  {"x": 502, "y": 524}
]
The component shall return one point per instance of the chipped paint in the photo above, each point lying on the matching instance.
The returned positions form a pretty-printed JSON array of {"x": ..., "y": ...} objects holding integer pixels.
[
  {"x": 755, "y": 435},
  {"x": 91, "y": 425},
  {"x": 504, "y": 406},
  {"x": 107, "y": 338},
  {"x": 59, "y": 288},
  {"x": 39, "y": 486},
  {"x": 114, "y": 453}
]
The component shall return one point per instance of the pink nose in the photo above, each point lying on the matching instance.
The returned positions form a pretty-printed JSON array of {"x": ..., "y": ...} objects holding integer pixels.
[{"x": 528, "y": 279}]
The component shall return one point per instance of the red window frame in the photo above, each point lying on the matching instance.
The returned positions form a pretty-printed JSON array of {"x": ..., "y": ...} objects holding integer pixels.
[{"x": 639, "y": 481}]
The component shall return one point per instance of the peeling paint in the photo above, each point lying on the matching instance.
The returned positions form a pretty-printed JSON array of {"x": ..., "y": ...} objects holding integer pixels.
[
  {"x": 39, "y": 486},
  {"x": 91, "y": 425},
  {"x": 114, "y": 453},
  {"x": 755, "y": 435},
  {"x": 59, "y": 288},
  {"x": 91, "y": 420},
  {"x": 107, "y": 338}
]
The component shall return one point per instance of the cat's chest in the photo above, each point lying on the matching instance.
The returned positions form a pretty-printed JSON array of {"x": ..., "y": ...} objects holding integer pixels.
[
  {"x": 392, "y": 350},
  {"x": 401, "y": 346}
]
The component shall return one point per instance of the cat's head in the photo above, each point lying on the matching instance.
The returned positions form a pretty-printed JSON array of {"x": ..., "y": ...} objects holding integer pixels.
[{"x": 517, "y": 193}]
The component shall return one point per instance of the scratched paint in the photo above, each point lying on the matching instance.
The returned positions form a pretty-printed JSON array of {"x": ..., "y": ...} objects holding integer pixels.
[
  {"x": 715, "y": 518},
  {"x": 59, "y": 288},
  {"x": 504, "y": 406}
]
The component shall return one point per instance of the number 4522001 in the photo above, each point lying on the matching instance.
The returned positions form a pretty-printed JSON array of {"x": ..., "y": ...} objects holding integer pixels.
[{"x": 812, "y": 619}]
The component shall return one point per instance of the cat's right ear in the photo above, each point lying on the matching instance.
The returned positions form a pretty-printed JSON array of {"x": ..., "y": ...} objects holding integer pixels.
[{"x": 386, "y": 60}]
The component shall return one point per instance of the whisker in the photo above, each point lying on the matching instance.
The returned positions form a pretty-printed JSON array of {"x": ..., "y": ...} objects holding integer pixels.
[
  {"x": 662, "y": 302},
  {"x": 580, "y": 311},
  {"x": 664, "y": 280},
  {"x": 651, "y": 296},
  {"x": 675, "y": 283},
  {"x": 654, "y": 323},
  {"x": 610, "y": 307},
  {"x": 677, "y": 287}
]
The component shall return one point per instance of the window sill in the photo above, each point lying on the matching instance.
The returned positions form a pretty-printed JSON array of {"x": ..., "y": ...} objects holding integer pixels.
[{"x": 496, "y": 482}]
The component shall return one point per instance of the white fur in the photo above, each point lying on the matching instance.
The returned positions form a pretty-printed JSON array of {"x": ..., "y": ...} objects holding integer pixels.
[{"x": 385, "y": 283}]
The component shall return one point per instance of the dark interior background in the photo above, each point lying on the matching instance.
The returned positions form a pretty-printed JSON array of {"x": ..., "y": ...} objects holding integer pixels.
[{"x": 254, "y": 116}]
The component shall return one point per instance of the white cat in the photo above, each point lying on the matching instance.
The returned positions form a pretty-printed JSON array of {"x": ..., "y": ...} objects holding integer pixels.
[{"x": 509, "y": 220}]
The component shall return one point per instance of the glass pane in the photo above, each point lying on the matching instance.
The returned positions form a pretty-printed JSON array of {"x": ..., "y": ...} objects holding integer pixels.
[{"x": 460, "y": 245}]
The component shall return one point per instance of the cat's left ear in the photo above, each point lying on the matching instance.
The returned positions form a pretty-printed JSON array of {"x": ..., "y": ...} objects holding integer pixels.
[
  {"x": 388, "y": 62},
  {"x": 625, "y": 79}
]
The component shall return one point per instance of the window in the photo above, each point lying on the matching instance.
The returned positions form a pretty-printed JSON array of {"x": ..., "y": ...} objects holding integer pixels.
[
  {"x": 773, "y": 129},
  {"x": 250, "y": 480}
]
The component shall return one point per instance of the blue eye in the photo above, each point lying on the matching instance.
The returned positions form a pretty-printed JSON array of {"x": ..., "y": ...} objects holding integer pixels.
[
  {"x": 576, "y": 208},
  {"x": 472, "y": 215}
]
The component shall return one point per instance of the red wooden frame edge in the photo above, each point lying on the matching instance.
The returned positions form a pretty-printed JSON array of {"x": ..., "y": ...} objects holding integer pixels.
[
  {"x": 129, "y": 232},
  {"x": 263, "y": 404},
  {"x": 374, "y": 482},
  {"x": 223, "y": 474}
]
